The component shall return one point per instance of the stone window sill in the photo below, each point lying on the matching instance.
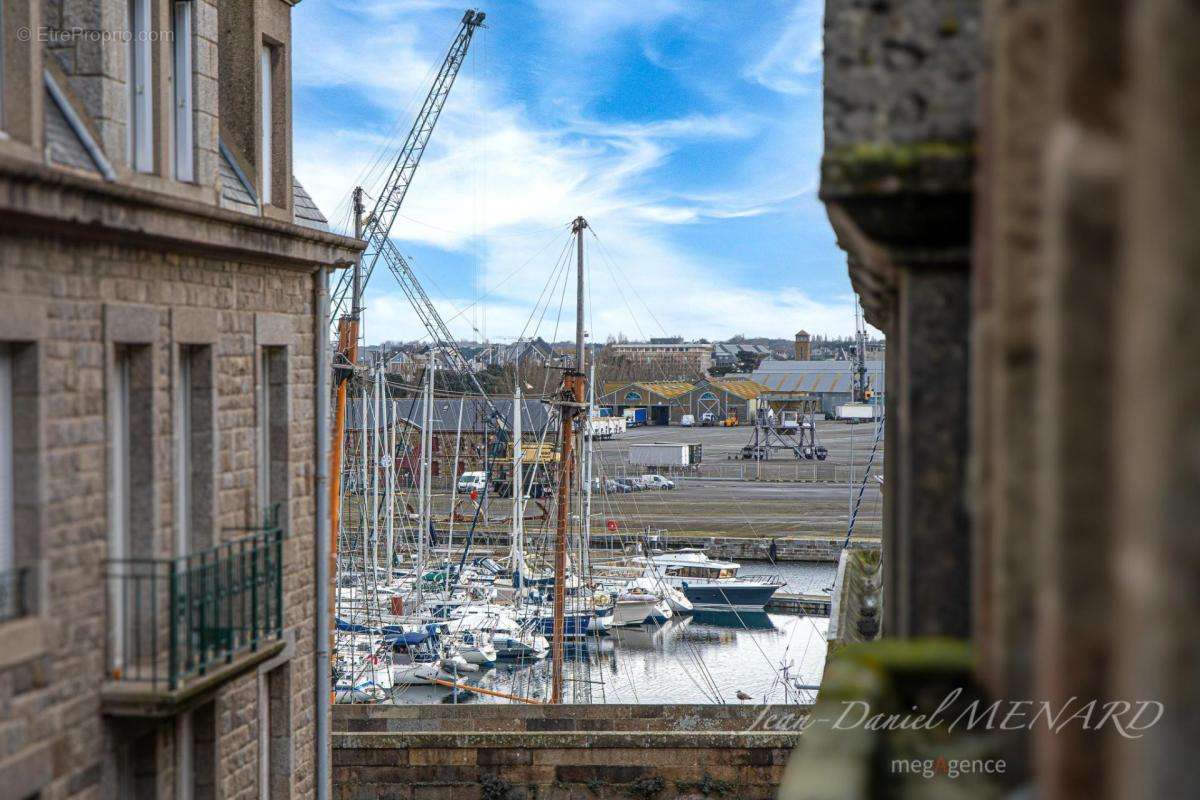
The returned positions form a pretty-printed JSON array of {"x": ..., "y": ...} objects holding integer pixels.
[{"x": 21, "y": 640}]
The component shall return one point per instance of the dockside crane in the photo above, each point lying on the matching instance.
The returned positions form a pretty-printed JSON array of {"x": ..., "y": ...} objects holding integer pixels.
[{"x": 346, "y": 299}]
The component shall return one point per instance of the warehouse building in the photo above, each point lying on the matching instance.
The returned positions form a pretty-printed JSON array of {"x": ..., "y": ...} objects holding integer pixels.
[
  {"x": 815, "y": 386},
  {"x": 660, "y": 399},
  {"x": 723, "y": 398}
]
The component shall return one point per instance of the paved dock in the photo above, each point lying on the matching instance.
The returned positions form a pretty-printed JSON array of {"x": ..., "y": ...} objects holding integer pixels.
[{"x": 812, "y": 605}]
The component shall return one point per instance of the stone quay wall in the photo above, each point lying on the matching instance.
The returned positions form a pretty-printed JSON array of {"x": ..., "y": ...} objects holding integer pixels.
[
  {"x": 787, "y": 548},
  {"x": 571, "y": 751}
]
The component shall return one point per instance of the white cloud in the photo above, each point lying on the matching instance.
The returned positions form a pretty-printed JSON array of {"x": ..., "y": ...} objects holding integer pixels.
[
  {"x": 795, "y": 59},
  {"x": 494, "y": 185}
]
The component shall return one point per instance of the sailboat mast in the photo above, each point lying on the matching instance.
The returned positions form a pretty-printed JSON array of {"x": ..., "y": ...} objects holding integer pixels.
[
  {"x": 518, "y": 493},
  {"x": 578, "y": 227},
  {"x": 425, "y": 497},
  {"x": 586, "y": 550},
  {"x": 569, "y": 403}
]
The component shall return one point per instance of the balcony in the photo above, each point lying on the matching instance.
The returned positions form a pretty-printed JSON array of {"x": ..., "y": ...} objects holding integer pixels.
[{"x": 180, "y": 627}]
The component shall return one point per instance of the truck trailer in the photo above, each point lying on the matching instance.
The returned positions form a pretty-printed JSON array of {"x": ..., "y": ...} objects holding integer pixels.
[
  {"x": 635, "y": 417},
  {"x": 665, "y": 454},
  {"x": 859, "y": 412}
]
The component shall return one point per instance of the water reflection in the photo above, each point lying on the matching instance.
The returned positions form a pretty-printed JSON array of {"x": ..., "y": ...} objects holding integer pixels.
[{"x": 707, "y": 657}]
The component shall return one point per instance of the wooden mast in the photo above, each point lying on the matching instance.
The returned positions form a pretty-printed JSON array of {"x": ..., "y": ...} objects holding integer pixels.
[
  {"x": 570, "y": 400},
  {"x": 347, "y": 357}
]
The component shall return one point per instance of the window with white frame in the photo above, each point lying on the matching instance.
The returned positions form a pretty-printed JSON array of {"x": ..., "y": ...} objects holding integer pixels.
[
  {"x": 141, "y": 95},
  {"x": 184, "y": 121},
  {"x": 272, "y": 429},
  {"x": 131, "y": 498},
  {"x": 264, "y": 428},
  {"x": 7, "y": 448},
  {"x": 268, "y": 121},
  {"x": 3, "y": 56},
  {"x": 194, "y": 449}
]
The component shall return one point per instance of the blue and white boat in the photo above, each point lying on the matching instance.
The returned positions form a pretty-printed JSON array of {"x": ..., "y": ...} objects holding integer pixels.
[{"x": 712, "y": 584}]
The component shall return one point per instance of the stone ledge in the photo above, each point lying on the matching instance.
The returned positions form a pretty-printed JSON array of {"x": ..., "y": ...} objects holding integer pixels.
[
  {"x": 38, "y": 200},
  {"x": 21, "y": 640},
  {"x": 129, "y": 699},
  {"x": 568, "y": 740}
]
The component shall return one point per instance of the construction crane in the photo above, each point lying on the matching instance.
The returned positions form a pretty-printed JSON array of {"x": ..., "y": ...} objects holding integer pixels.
[
  {"x": 346, "y": 299},
  {"x": 378, "y": 225}
]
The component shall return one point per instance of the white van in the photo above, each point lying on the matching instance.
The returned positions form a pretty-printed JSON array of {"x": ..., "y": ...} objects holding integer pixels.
[
  {"x": 656, "y": 482},
  {"x": 471, "y": 482},
  {"x": 687, "y": 420}
]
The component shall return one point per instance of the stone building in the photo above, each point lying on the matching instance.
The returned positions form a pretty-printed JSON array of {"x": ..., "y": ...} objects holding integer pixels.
[
  {"x": 666, "y": 358},
  {"x": 161, "y": 343},
  {"x": 803, "y": 346},
  {"x": 1016, "y": 185}
]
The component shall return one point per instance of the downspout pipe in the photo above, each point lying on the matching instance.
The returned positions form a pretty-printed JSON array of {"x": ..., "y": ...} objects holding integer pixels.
[{"x": 321, "y": 543}]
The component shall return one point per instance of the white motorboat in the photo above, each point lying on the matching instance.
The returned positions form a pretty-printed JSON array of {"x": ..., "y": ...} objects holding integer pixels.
[
  {"x": 637, "y": 605},
  {"x": 711, "y": 584}
]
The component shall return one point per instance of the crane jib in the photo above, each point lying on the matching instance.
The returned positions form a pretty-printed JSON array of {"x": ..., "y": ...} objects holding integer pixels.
[{"x": 389, "y": 200}]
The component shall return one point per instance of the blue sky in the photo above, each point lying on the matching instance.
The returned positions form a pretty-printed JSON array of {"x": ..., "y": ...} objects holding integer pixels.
[{"x": 688, "y": 133}]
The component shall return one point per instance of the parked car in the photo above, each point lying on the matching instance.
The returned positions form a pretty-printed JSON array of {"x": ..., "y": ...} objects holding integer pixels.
[
  {"x": 687, "y": 420},
  {"x": 708, "y": 419},
  {"x": 614, "y": 486},
  {"x": 471, "y": 482},
  {"x": 657, "y": 482},
  {"x": 628, "y": 485}
]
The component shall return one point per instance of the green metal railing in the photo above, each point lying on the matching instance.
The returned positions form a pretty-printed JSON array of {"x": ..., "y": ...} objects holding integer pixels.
[{"x": 171, "y": 619}]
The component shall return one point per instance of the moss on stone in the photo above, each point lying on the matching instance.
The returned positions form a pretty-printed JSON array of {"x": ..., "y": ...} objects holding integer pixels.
[{"x": 868, "y": 164}]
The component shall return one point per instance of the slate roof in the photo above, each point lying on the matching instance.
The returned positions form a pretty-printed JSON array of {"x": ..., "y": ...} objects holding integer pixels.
[
  {"x": 63, "y": 146},
  {"x": 817, "y": 377},
  {"x": 236, "y": 194},
  {"x": 475, "y": 413},
  {"x": 304, "y": 210}
]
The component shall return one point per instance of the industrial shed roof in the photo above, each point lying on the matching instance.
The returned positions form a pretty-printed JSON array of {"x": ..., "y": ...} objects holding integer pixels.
[
  {"x": 668, "y": 390},
  {"x": 739, "y": 387},
  {"x": 816, "y": 377}
]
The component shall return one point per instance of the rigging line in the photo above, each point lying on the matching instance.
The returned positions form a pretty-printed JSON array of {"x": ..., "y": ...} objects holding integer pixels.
[
  {"x": 863, "y": 486},
  {"x": 621, "y": 293},
  {"x": 548, "y": 294},
  {"x": 691, "y": 649},
  {"x": 551, "y": 280},
  {"x": 393, "y": 135},
  {"x": 604, "y": 253}
]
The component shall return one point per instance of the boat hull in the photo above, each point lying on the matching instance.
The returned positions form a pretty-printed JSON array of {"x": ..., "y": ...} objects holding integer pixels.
[{"x": 718, "y": 596}]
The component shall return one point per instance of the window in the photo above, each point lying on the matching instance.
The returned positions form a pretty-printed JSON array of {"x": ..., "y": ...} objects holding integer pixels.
[
  {"x": 196, "y": 754},
  {"x": 141, "y": 94},
  {"x": 7, "y": 491},
  {"x": 272, "y": 428},
  {"x": 275, "y": 733},
  {"x": 20, "y": 500},
  {"x": 185, "y": 149},
  {"x": 3, "y": 82},
  {"x": 194, "y": 449},
  {"x": 137, "y": 773},
  {"x": 131, "y": 495},
  {"x": 268, "y": 121}
]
